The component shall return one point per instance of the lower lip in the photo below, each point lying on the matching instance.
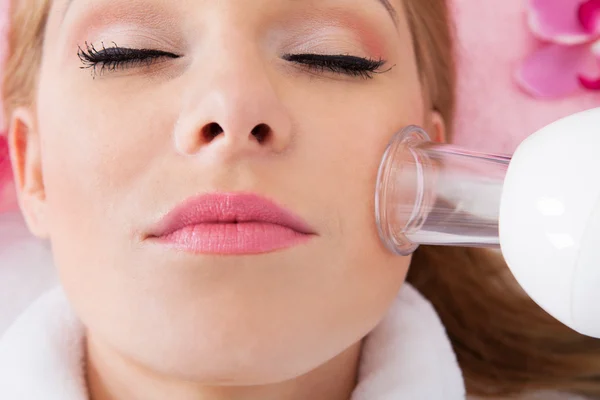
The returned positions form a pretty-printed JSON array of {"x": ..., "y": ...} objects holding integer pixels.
[{"x": 233, "y": 238}]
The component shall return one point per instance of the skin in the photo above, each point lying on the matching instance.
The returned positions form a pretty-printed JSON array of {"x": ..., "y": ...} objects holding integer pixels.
[{"x": 98, "y": 161}]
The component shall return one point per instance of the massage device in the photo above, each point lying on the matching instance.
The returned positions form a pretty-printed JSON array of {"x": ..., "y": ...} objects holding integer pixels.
[{"x": 540, "y": 207}]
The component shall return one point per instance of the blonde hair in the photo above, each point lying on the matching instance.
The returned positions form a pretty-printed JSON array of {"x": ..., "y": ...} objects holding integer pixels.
[{"x": 504, "y": 342}]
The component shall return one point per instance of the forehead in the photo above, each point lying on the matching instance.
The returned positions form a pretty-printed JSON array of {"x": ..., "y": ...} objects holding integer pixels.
[{"x": 387, "y": 4}]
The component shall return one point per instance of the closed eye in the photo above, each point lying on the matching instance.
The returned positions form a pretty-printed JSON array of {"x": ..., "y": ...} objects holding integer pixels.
[
  {"x": 340, "y": 64},
  {"x": 115, "y": 58}
]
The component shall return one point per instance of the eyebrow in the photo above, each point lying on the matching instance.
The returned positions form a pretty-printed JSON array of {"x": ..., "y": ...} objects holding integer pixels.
[
  {"x": 390, "y": 9},
  {"x": 386, "y": 3},
  {"x": 65, "y": 11}
]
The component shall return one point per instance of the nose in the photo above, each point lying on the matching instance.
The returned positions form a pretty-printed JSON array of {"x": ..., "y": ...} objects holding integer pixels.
[{"x": 236, "y": 109}]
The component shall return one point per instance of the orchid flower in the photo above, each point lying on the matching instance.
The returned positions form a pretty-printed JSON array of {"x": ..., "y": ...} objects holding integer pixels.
[{"x": 569, "y": 62}]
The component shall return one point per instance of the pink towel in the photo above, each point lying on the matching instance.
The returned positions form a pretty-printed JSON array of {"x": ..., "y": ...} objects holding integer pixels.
[{"x": 493, "y": 113}]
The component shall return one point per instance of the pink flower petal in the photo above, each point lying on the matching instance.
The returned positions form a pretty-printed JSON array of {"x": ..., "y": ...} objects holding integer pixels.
[
  {"x": 554, "y": 71},
  {"x": 589, "y": 82},
  {"x": 587, "y": 79},
  {"x": 589, "y": 16},
  {"x": 557, "y": 21}
]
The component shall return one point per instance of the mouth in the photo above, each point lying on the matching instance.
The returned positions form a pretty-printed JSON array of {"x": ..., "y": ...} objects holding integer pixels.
[{"x": 230, "y": 224}]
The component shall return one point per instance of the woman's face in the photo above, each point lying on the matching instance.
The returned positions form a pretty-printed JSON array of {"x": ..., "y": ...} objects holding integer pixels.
[{"x": 237, "y": 97}]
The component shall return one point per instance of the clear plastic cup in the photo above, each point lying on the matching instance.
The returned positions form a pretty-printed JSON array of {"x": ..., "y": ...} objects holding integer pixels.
[{"x": 437, "y": 194}]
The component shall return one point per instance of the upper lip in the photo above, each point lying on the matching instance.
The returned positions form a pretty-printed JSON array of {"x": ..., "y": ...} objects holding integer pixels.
[{"x": 227, "y": 208}]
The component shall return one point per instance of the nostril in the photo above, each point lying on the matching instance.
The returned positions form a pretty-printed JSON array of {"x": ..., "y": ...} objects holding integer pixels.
[
  {"x": 261, "y": 132},
  {"x": 211, "y": 131}
]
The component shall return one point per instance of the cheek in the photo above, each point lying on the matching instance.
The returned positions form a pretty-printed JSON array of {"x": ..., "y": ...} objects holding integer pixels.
[
  {"x": 94, "y": 166},
  {"x": 340, "y": 170},
  {"x": 343, "y": 160},
  {"x": 93, "y": 161}
]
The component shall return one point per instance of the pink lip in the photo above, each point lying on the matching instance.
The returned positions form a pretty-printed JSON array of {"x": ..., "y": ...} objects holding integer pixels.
[{"x": 230, "y": 224}]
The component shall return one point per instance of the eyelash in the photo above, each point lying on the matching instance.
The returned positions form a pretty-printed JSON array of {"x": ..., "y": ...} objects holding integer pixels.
[
  {"x": 340, "y": 64},
  {"x": 115, "y": 58}
]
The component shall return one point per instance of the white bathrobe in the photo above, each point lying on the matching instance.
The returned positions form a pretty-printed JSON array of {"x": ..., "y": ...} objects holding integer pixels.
[{"x": 408, "y": 355}]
